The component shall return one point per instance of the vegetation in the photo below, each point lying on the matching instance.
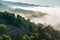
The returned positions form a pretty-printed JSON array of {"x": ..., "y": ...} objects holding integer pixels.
[{"x": 17, "y": 28}]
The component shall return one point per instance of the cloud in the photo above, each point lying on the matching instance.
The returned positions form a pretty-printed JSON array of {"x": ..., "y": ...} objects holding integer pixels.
[{"x": 53, "y": 16}]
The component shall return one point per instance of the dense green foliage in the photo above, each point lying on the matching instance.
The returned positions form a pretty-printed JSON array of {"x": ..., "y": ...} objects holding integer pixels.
[
  {"x": 20, "y": 29},
  {"x": 3, "y": 36}
]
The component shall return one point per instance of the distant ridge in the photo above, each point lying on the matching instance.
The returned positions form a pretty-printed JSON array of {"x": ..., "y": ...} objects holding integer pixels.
[
  {"x": 21, "y": 4},
  {"x": 18, "y": 4}
]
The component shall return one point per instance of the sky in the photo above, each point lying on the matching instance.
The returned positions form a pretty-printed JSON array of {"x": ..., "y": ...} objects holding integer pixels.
[{"x": 39, "y": 2}]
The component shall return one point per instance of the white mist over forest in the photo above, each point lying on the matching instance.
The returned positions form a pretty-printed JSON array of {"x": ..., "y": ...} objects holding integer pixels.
[
  {"x": 52, "y": 17},
  {"x": 29, "y": 19},
  {"x": 36, "y": 13}
]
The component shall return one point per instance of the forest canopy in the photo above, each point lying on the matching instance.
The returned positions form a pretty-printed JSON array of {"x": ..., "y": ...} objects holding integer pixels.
[{"x": 18, "y": 28}]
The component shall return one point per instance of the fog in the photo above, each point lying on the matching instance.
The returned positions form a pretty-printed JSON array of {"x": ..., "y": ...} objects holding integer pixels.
[{"x": 52, "y": 16}]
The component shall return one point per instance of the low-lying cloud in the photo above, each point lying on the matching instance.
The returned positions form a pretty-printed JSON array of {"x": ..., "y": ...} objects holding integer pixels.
[{"x": 52, "y": 18}]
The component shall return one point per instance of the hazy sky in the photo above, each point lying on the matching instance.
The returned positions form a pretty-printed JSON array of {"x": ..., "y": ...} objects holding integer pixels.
[{"x": 39, "y": 2}]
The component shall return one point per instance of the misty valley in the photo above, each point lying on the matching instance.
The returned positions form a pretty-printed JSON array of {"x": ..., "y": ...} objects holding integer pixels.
[{"x": 28, "y": 20}]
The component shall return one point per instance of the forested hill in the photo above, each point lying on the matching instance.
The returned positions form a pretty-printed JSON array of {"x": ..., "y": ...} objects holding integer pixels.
[{"x": 17, "y": 28}]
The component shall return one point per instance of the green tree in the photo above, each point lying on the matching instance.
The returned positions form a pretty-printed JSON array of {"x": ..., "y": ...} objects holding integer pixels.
[
  {"x": 6, "y": 37},
  {"x": 2, "y": 29},
  {"x": 0, "y": 38},
  {"x": 34, "y": 36},
  {"x": 26, "y": 37}
]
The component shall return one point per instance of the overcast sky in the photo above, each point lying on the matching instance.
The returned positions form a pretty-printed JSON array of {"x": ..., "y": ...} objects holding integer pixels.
[{"x": 39, "y": 2}]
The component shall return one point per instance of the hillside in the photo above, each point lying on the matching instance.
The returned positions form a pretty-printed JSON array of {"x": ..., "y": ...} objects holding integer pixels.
[{"x": 18, "y": 28}]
